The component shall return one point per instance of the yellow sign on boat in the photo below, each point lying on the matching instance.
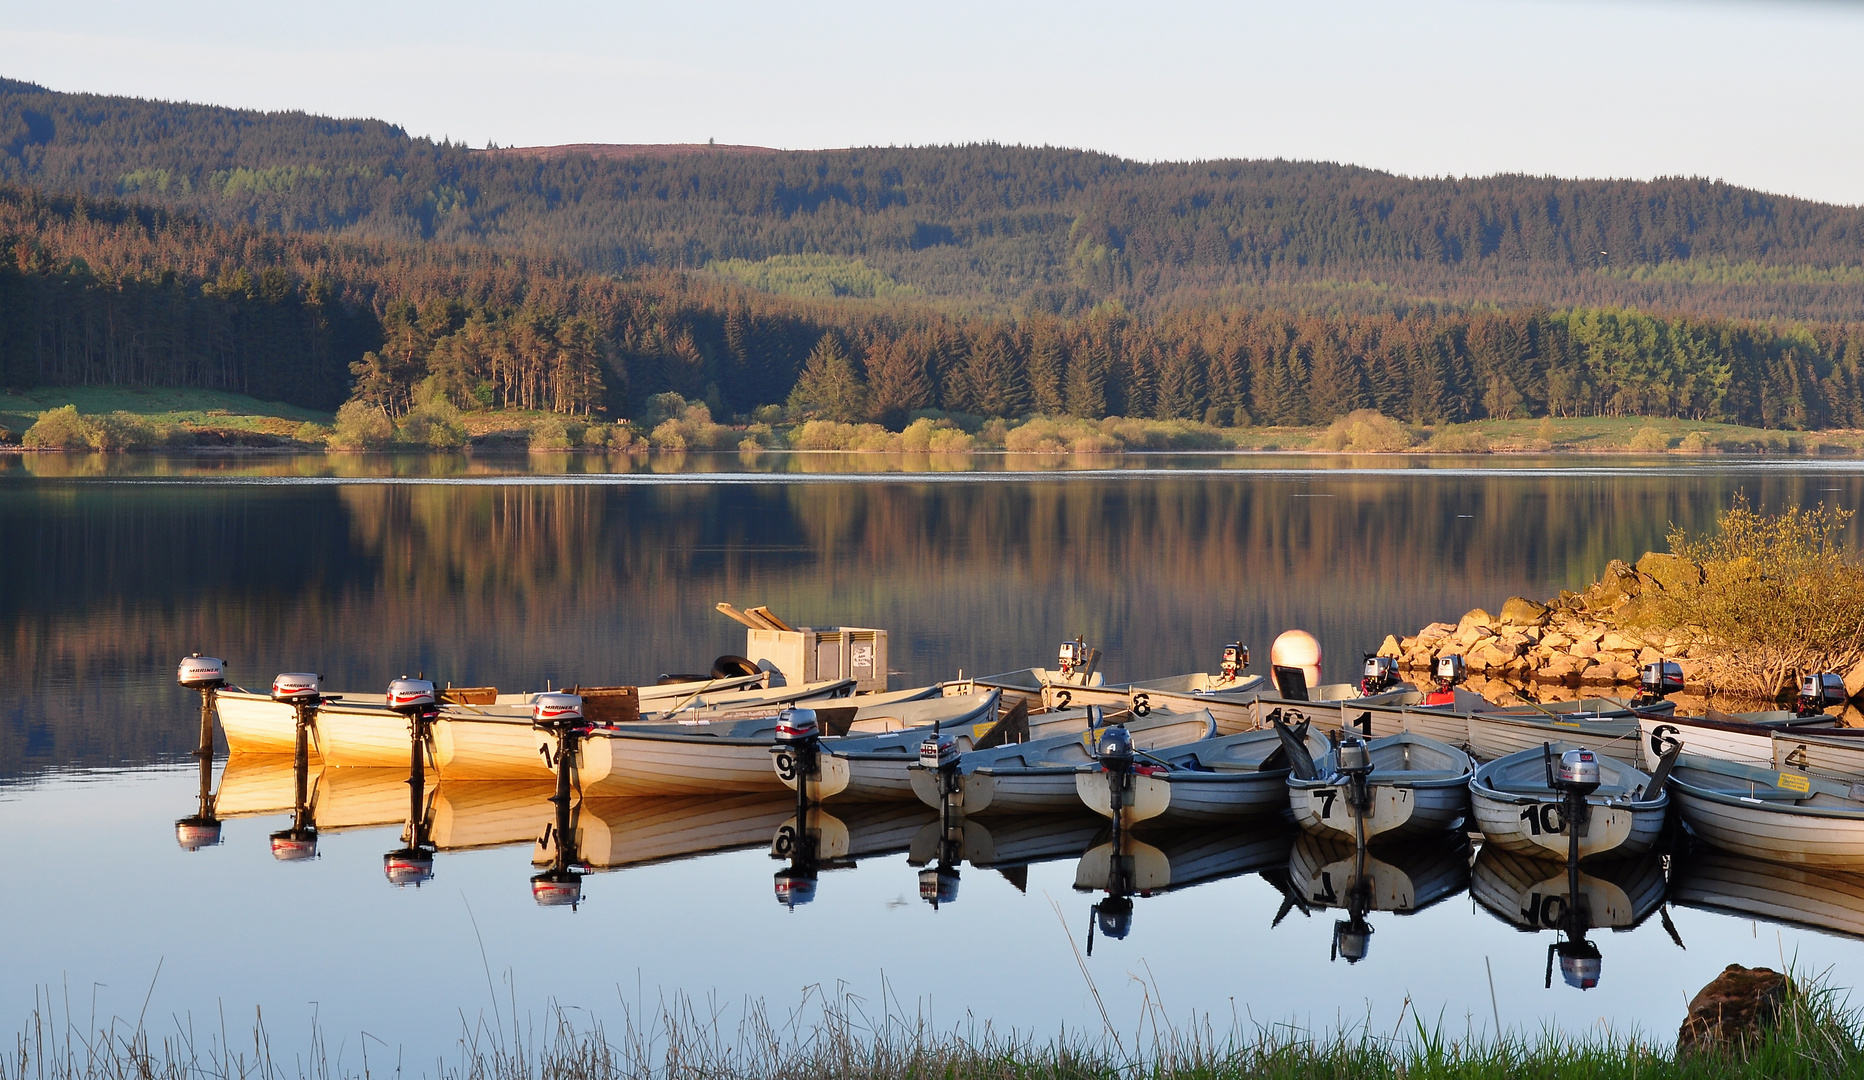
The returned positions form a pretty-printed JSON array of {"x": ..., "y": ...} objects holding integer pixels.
[{"x": 1793, "y": 782}]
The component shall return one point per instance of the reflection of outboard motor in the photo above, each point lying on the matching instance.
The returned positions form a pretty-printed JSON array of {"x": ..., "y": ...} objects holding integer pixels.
[
  {"x": 413, "y": 862},
  {"x": 1381, "y": 674},
  {"x": 1450, "y": 671},
  {"x": 1113, "y": 917},
  {"x": 1820, "y": 692},
  {"x": 1235, "y": 659},
  {"x": 1352, "y": 936},
  {"x": 939, "y": 884},
  {"x": 1658, "y": 680},
  {"x": 208, "y": 675},
  {"x": 1576, "y": 777},
  {"x": 304, "y": 692},
  {"x": 561, "y": 885}
]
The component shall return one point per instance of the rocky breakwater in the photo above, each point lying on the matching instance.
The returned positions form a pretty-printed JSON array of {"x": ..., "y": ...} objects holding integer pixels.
[{"x": 1593, "y": 638}]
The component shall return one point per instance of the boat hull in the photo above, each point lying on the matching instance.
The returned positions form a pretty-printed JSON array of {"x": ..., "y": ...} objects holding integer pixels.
[
  {"x": 255, "y": 724},
  {"x": 1398, "y": 810},
  {"x": 1496, "y": 735},
  {"x": 1800, "y": 839},
  {"x": 1530, "y": 826}
]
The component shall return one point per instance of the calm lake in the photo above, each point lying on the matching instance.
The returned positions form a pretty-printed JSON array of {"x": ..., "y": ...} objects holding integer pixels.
[{"x": 513, "y": 572}]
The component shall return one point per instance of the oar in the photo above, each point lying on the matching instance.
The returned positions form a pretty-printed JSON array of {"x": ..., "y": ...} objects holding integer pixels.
[
  {"x": 775, "y": 623},
  {"x": 733, "y": 613}
]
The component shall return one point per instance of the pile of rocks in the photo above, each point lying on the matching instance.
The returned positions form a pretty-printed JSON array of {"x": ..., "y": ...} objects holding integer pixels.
[{"x": 1573, "y": 639}]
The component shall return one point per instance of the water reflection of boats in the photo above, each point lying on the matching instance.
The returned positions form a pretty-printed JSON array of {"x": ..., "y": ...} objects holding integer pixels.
[
  {"x": 1324, "y": 873},
  {"x": 615, "y": 833},
  {"x": 491, "y": 814},
  {"x": 255, "y": 785},
  {"x": 1181, "y": 858},
  {"x": 1533, "y": 894},
  {"x": 1823, "y": 900},
  {"x": 1403, "y": 879}
]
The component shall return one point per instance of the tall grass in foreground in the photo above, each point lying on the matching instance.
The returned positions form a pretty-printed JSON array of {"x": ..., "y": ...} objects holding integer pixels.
[{"x": 1817, "y": 1034}]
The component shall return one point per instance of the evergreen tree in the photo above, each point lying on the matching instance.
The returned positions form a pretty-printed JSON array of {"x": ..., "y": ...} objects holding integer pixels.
[
  {"x": 1181, "y": 384},
  {"x": 993, "y": 379},
  {"x": 829, "y": 388},
  {"x": 1047, "y": 374},
  {"x": 1086, "y": 392},
  {"x": 896, "y": 381}
]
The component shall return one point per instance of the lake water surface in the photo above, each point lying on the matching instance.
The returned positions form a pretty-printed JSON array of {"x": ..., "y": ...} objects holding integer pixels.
[{"x": 516, "y": 571}]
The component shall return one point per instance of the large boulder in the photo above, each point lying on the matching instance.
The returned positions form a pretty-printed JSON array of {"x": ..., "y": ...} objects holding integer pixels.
[
  {"x": 1390, "y": 647},
  {"x": 1669, "y": 572},
  {"x": 1731, "y": 1012},
  {"x": 1854, "y": 679},
  {"x": 1476, "y": 618},
  {"x": 1618, "y": 584},
  {"x": 1520, "y": 611}
]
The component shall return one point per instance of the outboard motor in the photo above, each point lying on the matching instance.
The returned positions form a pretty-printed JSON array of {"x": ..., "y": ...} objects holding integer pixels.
[
  {"x": 1660, "y": 678},
  {"x": 410, "y": 696},
  {"x": 1451, "y": 670},
  {"x": 561, "y": 715},
  {"x": 1381, "y": 674},
  {"x": 799, "y": 738},
  {"x": 207, "y": 675},
  {"x": 1073, "y": 657},
  {"x": 298, "y": 688},
  {"x": 1114, "y": 751},
  {"x": 1355, "y": 759},
  {"x": 1235, "y": 659},
  {"x": 1820, "y": 692}
]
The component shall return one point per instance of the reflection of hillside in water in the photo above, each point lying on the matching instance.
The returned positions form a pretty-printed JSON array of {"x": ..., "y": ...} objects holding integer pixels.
[{"x": 515, "y": 584}]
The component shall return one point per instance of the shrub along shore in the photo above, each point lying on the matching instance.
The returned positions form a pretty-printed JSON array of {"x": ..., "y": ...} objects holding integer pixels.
[{"x": 110, "y": 420}]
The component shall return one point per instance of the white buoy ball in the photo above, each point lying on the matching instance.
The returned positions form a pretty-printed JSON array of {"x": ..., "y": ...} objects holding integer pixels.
[{"x": 1298, "y": 649}]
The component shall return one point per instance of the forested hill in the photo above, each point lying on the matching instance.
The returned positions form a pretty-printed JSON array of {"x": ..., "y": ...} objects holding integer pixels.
[{"x": 1042, "y": 229}]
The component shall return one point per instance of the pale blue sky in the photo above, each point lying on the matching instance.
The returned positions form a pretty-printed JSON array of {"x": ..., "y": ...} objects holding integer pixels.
[{"x": 1765, "y": 94}]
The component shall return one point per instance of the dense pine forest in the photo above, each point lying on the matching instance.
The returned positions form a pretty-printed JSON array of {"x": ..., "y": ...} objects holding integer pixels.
[{"x": 307, "y": 259}]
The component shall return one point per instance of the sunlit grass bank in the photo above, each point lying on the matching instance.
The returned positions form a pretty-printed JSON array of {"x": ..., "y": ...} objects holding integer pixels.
[{"x": 1817, "y": 1034}]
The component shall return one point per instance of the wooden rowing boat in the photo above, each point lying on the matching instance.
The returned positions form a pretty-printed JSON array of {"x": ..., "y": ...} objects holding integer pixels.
[
  {"x": 1026, "y": 686},
  {"x": 1776, "y": 739},
  {"x": 1417, "y": 786},
  {"x": 1226, "y": 778},
  {"x": 1038, "y": 776},
  {"x": 1394, "y": 712},
  {"x": 1780, "y": 816},
  {"x": 1519, "y": 811}
]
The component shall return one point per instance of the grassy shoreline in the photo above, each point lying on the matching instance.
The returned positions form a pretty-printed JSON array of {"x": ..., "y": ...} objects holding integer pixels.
[
  {"x": 1816, "y": 1034},
  {"x": 217, "y": 422}
]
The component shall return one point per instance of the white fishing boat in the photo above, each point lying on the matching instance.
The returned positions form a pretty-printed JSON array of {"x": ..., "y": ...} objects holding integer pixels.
[
  {"x": 477, "y": 742},
  {"x": 1775, "y": 739},
  {"x": 1226, "y": 693},
  {"x": 729, "y": 752},
  {"x": 1604, "y": 724},
  {"x": 1389, "y": 788},
  {"x": 1038, "y": 776},
  {"x": 255, "y": 723},
  {"x": 1781, "y": 816},
  {"x": 1226, "y": 778},
  {"x": 875, "y": 769},
  {"x": 1521, "y": 807}
]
